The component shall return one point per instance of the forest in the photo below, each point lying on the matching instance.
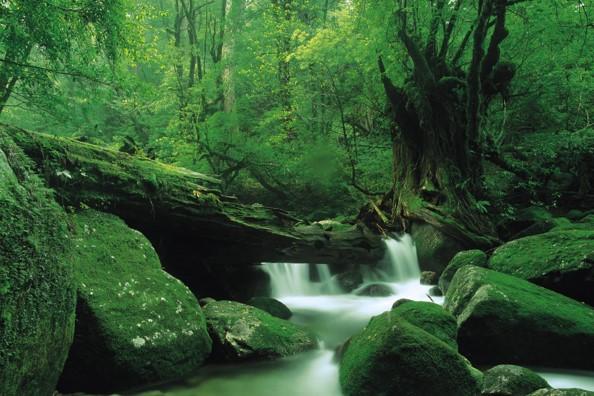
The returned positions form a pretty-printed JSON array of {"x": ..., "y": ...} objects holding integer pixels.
[{"x": 297, "y": 197}]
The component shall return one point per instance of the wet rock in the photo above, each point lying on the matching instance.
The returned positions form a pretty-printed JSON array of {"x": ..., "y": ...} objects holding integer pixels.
[
  {"x": 558, "y": 260},
  {"x": 135, "y": 323},
  {"x": 375, "y": 290},
  {"x": 510, "y": 380},
  {"x": 349, "y": 281},
  {"x": 37, "y": 289},
  {"x": 477, "y": 258},
  {"x": 434, "y": 248},
  {"x": 562, "y": 392},
  {"x": 429, "y": 278},
  {"x": 435, "y": 291},
  {"x": 242, "y": 332},
  {"x": 272, "y": 306},
  {"x": 400, "y": 302},
  {"x": 400, "y": 353},
  {"x": 205, "y": 301},
  {"x": 504, "y": 319}
]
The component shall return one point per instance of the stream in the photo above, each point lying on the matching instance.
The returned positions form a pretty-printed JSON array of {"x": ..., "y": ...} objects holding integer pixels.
[{"x": 334, "y": 316}]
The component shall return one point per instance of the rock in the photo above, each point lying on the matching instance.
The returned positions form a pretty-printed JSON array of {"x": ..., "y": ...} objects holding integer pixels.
[
  {"x": 205, "y": 301},
  {"x": 242, "y": 332},
  {"x": 272, "y": 306},
  {"x": 349, "y": 281},
  {"x": 434, "y": 248},
  {"x": 375, "y": 290},
  {"x": 435, "y": 291},
  {"x": 504, "y": 319},
  {"x": 429, "y": 278},
  {"x": 398, "y": 303},
  {"x": 477, "y": 258},
  {"x": 136, "y": 324},
  {"x": 575, "y": 215},
  {"x": 37, "y": 290},
  {"x": 540, "y": 227},
  {"x": 562, "y": 392},
  {"x": 556, "y": 260},
  {"x": 394, "y": 356},
  {"x": 525, "y": 219},
  {"x": 509, "y": 380}
]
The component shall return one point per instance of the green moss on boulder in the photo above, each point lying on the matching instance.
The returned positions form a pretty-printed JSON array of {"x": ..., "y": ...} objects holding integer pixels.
[
  {"x": 272, "y": 306},
  {"x": 468, "y": 257},
  {"x": 504, "y": 319},
  {"x": 562, "y": 392},
  {"x": 136, "y": 324},
  {"x": 510, "y": 380},
  {"x": 37, "y": 291},
  {"x": 404, "y": 352},
  {"x": 562, "y": 261},
  {"x": 434, "y": 248},
  {"x": 242, "y": 332}
]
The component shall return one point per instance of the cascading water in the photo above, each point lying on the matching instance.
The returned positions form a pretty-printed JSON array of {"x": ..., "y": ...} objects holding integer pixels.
[
  {"x": 334, "y": 316},
  {"x": 295, "y": 279}
]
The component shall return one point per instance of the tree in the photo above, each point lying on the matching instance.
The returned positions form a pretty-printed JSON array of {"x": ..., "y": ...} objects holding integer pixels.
[
  {"x": 42, "y": 40},
  {"x": 437, "y": 109}
]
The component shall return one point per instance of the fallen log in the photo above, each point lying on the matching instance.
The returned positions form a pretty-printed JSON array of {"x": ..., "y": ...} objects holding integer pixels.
[{"x": 184, "y": 213}]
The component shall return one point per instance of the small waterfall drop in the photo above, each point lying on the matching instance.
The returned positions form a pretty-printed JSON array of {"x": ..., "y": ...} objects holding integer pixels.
[
  {"x": 289, "y": 279},
  {"x": 401, "y": 259}
]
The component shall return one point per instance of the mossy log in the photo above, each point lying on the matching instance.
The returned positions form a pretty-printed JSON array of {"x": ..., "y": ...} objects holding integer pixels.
[{"x": 181, "y": 209}]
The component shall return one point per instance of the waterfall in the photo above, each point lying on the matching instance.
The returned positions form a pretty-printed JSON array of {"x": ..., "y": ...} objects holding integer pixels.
[
  {"x": 288, "y": 279},
  {"x": 401, "y": 259}
]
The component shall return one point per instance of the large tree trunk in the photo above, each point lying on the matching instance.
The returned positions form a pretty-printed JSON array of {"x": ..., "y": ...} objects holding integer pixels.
[{"x": 183, "y": 212}]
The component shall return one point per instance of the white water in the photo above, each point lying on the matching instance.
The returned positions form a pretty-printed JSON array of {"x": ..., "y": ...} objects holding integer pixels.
[{"x": 334, "y": 316}]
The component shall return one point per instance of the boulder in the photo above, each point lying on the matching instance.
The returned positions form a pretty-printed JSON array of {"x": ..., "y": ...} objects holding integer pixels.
[
  {"x": 562, "y": 392},
  {"x": 375, "y": 290},
  {"x": 242, "y": 332},
  {"x": 135, "y": 323},
  {"x": 434, "y": 248},
  {"x": 510, "y": 380},
  {"x": 272, "y": 306},
  {"x": 37, "y": 290},
  {"x": 402, "y": 353},
  {"x": 435, "y": 291},
  {"x": 205, "y": 300},
  {"x": 350, "y": 280},
  {"x": 477, "y": 258},
  {"x": 562, "y": 261},
  {"x": 429, "y": 278},
  {"x": 504, "y": 319}
]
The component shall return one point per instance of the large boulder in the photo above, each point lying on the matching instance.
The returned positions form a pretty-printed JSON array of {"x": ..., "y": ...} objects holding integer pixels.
[
  {"x": 467, "y": 257},
  {"x": 504, "y": 319},
  {"x": 37, "y": 290},
  {"x": 242, "y": 332},
  {"x": 409, "y": 351},
  {"x": 135, "y": 323},
  {"x": 510, "y": 380},
  {"x": 434, "y": 248},
  {"x": 562, "y": 261},
  {"x": 272, "y": 306}
]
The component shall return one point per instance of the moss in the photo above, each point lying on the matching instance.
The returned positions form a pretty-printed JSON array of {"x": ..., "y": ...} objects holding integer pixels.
[
  {"x": 504, "y": 319},
  {"x": 393, "y": 356},
  {"x": 37, "y": 293},
  {"x": 559, "y": 260},
  {"x": 432, "y": 318},
  {"x": 242, "y": 332},
  {"x": 562, "y": 392},
  {"x": 461, "y": 259},
  {"x": 272, "y": 306},
  {"x": 510, "y": 380},
  {"x": 136, "y": 324}
]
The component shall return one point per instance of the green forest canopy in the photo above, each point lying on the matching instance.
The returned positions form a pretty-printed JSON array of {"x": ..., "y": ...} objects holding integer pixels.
[{"x": 284, "y": 99}]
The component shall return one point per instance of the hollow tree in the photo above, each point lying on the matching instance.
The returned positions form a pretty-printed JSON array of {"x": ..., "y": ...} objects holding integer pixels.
[{"x": 437, "y": 139}]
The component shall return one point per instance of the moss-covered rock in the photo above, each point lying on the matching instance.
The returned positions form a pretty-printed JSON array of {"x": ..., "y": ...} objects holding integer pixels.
[
  {"x": 429, "y": 278},
  {"x": 510, "y": 380},
  {"x": 242, "y": 332},
  {"x": 37, "y": 291},
  {"x": 434, "y": 248},
  {"x": 409, "y": 351},
  {"x": 562, "y": 261},
  {"x": 504, "y": 319},
  {"x": 375, "y": 290},
  {"x": 468, "y": 257},
  {"x": 562, "y": 392},
  {"x": 272, "y": 306},
  {"x": 136, "y": 324}
]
